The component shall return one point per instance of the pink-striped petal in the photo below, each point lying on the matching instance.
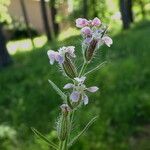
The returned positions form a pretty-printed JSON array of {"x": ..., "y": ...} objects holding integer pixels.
[
  {"x": 107, "y": 40},
  {"x": 52, "y": 56},
  {"x": 92, "y": 89},
  {"x": 75, "y": 96},
  {"x": 68, "y": 86}
]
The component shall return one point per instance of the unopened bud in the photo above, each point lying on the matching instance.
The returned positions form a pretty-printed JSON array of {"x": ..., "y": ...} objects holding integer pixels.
[
  {"x": 89, "y": 52},
  {"x": 63, "y": 125},
  {"x": 69, "y": 67},
  {"x": 65, "y": 109}
]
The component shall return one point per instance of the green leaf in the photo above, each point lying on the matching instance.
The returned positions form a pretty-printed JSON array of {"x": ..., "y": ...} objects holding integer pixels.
[
  {"x": 44, "y": 138},
  {"x": 56, "y": 88},
  {"x": 96, "y": 68},
  {"x": 83, "y": 131}
]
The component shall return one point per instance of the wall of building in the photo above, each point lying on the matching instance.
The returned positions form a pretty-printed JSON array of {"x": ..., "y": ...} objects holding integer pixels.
[{"x": 33, "y": 11}]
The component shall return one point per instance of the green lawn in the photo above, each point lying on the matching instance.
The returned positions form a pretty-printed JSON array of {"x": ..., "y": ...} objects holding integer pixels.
[{"x": 123, "y": 102}]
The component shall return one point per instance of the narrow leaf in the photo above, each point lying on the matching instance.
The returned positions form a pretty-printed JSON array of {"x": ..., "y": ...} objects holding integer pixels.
[
  {"x": 44, "y": 138},
  {"x": 83, "y": 131},
  {"x": 56, "y": 88},
  {"x": 96, "y": 68}
]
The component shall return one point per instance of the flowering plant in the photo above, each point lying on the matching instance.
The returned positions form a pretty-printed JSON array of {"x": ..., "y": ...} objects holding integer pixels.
[{"x": 94, "y": 35}]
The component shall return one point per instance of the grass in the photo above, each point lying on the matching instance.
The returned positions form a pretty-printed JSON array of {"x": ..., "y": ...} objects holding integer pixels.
[{"x": 27, "y": 100}]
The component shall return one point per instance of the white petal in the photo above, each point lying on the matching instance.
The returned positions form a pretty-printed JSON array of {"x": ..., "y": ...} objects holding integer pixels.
[
  {"x": 82, "y": 79},
  {"x": 60, "y": 59},
  {"x": 51, "y": 61},
  {"x": 68, "y": 86},
  {"x": 75, "y": 96},
  {"x": 51, "y": 56},
  {"x": 92, "y": 89},
  {"x": 85, "y": 99},
  {"x": 107, "y": 40}
]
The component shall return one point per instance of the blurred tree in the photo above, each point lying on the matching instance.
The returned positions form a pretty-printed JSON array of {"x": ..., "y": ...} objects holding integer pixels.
[
  {"x": 26, "y": 19},
  {"x": 126, "y": 12},
  {"x": 53, "y": 11},
  {"x": 98, "y": 8},
  {"x": 85, "y": 9},
  {"x": 5, "y": 58},
  {"x": 45, "y": 20},
  {"x": 129, "y": 7}
]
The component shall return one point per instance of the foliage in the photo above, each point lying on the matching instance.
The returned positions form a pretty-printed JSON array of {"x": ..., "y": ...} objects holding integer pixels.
[{"x": 4, "y": 16}]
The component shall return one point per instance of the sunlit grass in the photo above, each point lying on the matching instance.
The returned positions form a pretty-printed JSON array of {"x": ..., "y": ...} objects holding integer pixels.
[{"x": 25, "y": 44}]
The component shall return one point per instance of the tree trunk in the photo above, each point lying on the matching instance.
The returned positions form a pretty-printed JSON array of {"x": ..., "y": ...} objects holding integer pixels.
[
  {"x": 5, "y": 58},
  {"x": 85, "y": 8},
  {"x": 124, "y": 14},
  {"x": 45, "y": 19},
  {"x": 130, "y": 13},
  {"x": 53, "y": 11},
  {"x": 26, "y": 20}
]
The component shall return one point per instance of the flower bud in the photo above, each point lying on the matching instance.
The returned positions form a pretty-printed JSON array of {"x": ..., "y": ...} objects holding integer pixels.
[
  {"x": 69, "y": 68},
  {"x": 89, "y": 52},
  {"x": 65, "y": 109},
  {"x": 86, "y": 31},
  {"x": 63, "y": 125},
  {"x": 96, "y": 22},
  {"x": 81, "y": 22}
]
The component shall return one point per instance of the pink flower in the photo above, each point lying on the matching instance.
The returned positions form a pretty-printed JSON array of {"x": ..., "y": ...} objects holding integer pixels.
[
  {"x": 81, "y": 22},
  {"x": 52, "y": 55},
  {"x": 107, "y": 40},
  {"x": 55, "y": 56},
  {"x": 86, "y": 31},
  {"x": 60, "y": 55},
  {"x": 79, "y": 90},
  {"x": 70, "y": 50},
  {"x": 96, "y": 22}
]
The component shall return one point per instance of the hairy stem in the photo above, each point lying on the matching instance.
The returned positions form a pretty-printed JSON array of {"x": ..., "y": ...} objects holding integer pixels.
[
  {"x": 63, "y": 145},
  {"x": 60, "y": 145},
  {"x": 83, "y": 68}
]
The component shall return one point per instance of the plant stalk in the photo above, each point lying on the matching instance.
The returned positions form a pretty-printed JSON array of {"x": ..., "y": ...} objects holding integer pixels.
[{"x": 83, "y": 68}]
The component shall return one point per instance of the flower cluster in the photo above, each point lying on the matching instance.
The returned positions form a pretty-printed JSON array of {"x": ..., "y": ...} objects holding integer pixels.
[
  {"x": 60, "y": 55},
  {"x": 94, "y": 34},
  {"x": 92, "y": 29}
]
